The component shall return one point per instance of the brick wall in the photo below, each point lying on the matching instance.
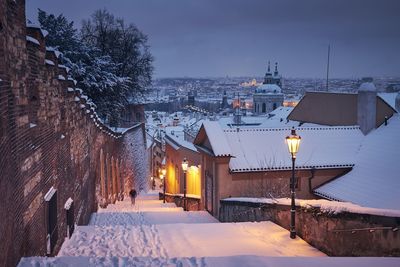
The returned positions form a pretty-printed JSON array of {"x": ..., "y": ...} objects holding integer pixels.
[
  {"x": 51, "y": 137},
  {"x": 342, "y": 234}
]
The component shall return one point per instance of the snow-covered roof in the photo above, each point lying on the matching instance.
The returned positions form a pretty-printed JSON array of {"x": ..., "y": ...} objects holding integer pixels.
[
  {"x": 174, "y": 130},
  {"x": 281, "y": 112},
  {"x": 217, "y": 139},
  {"x": 265, "y": 149},
  {"x": 389, "y": 98},
  {"x": 261, "y": 149},
  {"x": 375, "y": 178},
  {"x": 177, "y": 142},
  {"x": 273, "y": 120}
]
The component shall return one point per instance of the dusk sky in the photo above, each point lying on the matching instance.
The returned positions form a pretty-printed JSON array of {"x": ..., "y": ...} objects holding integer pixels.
[{"x": 237, "y": 38}]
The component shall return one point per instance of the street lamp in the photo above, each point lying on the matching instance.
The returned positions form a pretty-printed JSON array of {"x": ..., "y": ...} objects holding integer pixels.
[
  {"x": 163, "y": 173},
  {"x": 293, "y": 142},
  {"x": 184, "y": 168}
]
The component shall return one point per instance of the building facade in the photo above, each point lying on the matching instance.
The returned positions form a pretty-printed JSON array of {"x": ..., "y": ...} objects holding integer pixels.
[
  {"x": 176, "y": 150},
  {"x": 254, "y": 162}
]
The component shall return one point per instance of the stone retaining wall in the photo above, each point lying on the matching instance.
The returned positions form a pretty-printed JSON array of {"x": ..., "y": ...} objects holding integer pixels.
[{"x": 342, "y": 234}]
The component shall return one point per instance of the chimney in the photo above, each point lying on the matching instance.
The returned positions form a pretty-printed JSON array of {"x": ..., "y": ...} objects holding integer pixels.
[
  {"x": 366, "y": 106},
  {"x": 397, "y": 105}
]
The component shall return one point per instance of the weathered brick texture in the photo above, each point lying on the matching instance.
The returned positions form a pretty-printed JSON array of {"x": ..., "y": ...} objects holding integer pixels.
[{"x": 50, "y": 137}]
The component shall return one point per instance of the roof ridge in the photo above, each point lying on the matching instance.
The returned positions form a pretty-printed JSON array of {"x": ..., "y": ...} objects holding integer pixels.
[
  {"x": 302, "y": 128},
  {"x": 300, "y": 167}
]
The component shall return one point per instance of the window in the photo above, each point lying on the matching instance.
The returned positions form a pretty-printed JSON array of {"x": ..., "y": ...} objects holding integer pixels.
[{"x": 264, "y": 108}]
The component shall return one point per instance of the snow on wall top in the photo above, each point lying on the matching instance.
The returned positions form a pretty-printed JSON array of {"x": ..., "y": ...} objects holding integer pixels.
[
  {"x": 49, "y": 62},
  {"x": 332, "y": 207},
  {"x": 97, "y": 121},
  {"x": 33, "y": 25},
  {"x": 375, "y": 178},
  {"x": 32, "y": 40}
]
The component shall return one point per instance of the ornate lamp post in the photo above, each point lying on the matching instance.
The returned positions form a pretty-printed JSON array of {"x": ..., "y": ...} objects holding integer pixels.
[
  {"x": 293, "y": 142},
  {"x": 163, "y": 173},
  {"x": 184, "y": 168}
]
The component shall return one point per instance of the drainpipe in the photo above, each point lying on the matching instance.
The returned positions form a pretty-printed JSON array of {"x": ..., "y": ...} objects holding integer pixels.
[{"x": 310, "y": 178}]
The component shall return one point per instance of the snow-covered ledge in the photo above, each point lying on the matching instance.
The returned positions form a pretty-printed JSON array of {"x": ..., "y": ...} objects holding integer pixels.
[
  {"x": 336, "y": 228},
  {"x": 326, "y": 206},
  {"x": 50, "y": 194},
  {"x": 68, "y": 203}
]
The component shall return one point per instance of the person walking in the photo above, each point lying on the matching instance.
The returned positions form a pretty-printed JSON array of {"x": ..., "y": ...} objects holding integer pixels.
[{"x": 133, "y": 194}]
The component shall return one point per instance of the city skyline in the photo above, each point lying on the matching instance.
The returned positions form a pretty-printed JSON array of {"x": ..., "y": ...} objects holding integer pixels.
[{"x": 237, "y": 38}]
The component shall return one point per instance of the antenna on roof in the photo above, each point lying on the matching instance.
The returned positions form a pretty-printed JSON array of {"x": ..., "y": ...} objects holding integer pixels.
[{"x": 327, "y": 69}]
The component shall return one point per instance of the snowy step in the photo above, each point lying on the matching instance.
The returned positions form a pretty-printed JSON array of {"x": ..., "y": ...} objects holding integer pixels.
[
  {"x": 124, "y": 207},
  {"x": 148, "y": 218},
  {"x": 140, "y": 205},
  {"x": 186, "y": 240},
  {"x": 232, "y": 261}
]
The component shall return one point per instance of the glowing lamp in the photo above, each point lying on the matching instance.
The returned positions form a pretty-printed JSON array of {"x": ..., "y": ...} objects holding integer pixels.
[
  {"x": 185, "y": 165},
  {"x": 293, "y": 142}
]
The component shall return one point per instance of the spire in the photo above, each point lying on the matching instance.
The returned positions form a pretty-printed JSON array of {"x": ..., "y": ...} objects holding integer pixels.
[
  {"x": 269, "y": 69},
  {"x": 276, "y": 69}
]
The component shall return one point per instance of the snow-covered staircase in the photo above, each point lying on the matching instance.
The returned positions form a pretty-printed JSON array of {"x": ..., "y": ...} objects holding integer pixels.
[{"x": 152, "y": 233}]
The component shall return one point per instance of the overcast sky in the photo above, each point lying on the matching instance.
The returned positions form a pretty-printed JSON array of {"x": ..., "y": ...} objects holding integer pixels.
[{"x": 199, "y": 38}]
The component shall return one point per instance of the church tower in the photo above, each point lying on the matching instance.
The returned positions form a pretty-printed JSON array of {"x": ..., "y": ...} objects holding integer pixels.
[{"x": 268, "y": 96}]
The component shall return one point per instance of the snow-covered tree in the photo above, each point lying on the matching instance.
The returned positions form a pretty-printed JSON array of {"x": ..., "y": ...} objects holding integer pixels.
[
  {"x": 125, "y": 44},
  {"x": 105, "y": 78}
]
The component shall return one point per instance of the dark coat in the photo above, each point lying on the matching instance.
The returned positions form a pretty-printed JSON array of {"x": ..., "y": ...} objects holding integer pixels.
[{"x": 133, "y": 193}]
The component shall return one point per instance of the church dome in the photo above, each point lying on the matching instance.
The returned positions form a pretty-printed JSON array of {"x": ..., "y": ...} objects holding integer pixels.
[
  {"x": 268, "y": 89},
  {"x": 367, "y": 87}
]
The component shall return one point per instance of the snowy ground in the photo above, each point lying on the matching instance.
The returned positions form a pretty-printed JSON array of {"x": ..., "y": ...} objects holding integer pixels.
[{"x": 157, "y": 234}]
